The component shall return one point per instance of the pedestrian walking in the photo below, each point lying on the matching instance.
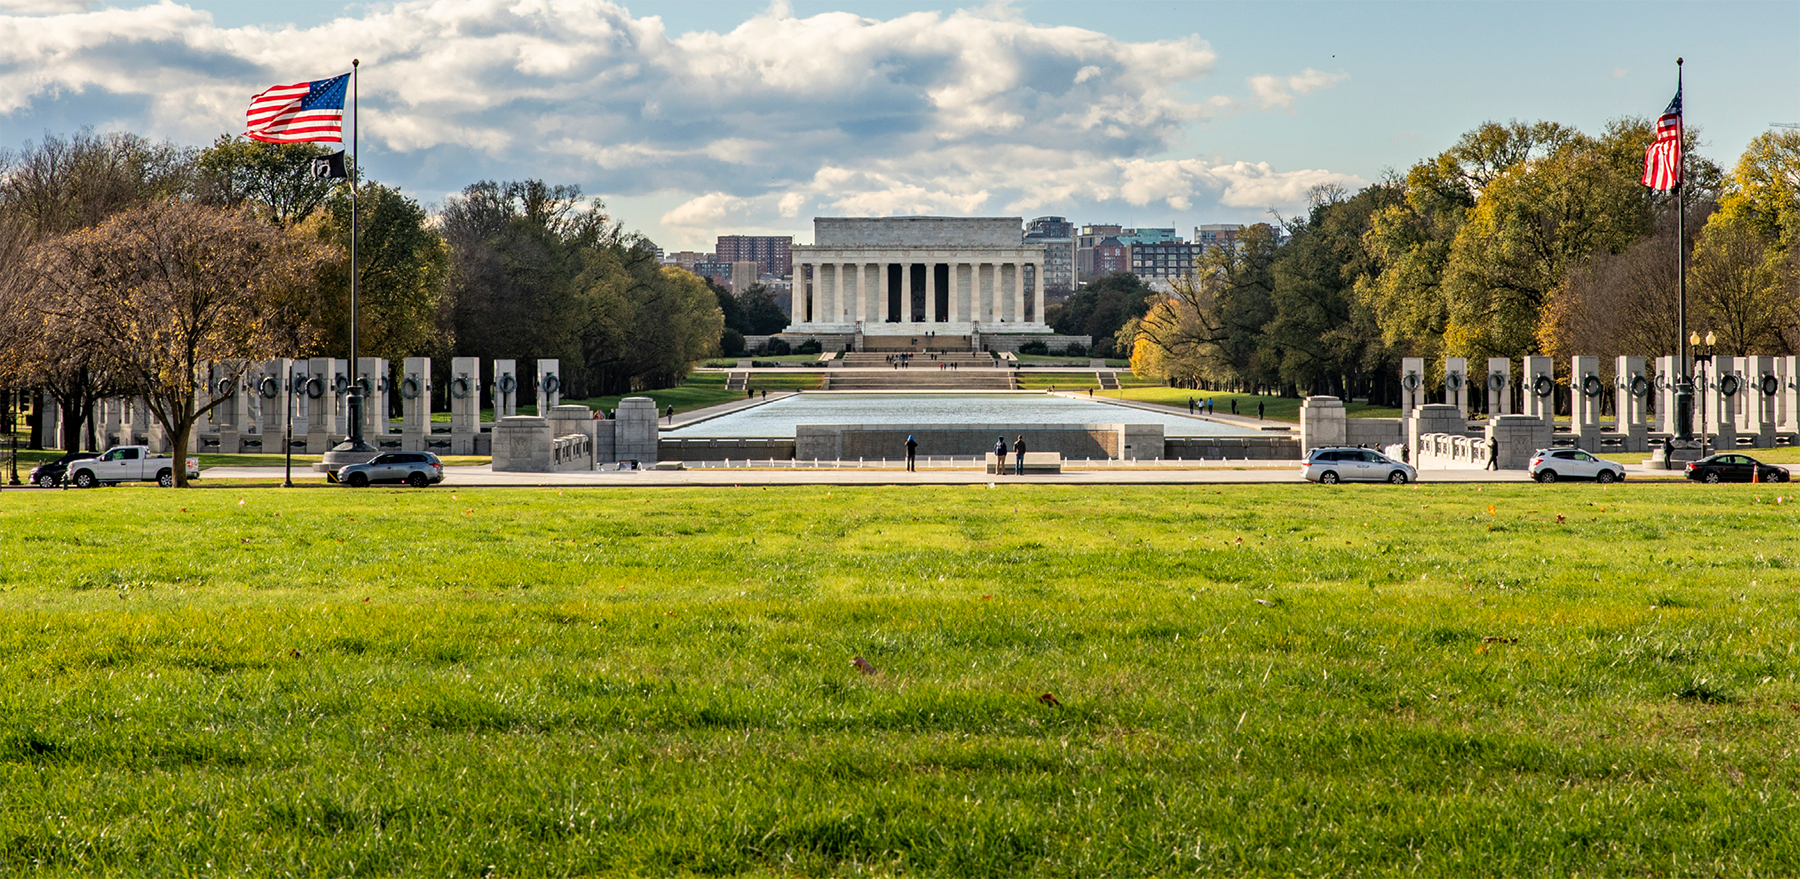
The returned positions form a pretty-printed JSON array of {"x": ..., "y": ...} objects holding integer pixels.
[
  {"x": 1000, "y": 455},
  {"x": 1234, "y": 405},
  {"x": 912, "y": 451},
  {"x": 1259, "y": 410},
  {"x": 1493, "y": 450},
  {"x": 1019, "y": 456},
  {"x": 671, "y": 413}
]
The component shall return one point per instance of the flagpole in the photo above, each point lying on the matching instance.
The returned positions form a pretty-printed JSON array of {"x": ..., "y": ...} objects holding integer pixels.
[
  {"x": 1684, "y": 390},
  {"x": 354, "y": 401}
]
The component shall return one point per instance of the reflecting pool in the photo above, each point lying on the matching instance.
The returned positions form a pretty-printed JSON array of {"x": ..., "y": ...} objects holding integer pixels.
[{"x": 777, "y": 418}]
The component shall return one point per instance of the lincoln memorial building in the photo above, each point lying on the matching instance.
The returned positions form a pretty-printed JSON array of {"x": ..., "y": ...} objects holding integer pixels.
[{"x": 912, "y": 276}]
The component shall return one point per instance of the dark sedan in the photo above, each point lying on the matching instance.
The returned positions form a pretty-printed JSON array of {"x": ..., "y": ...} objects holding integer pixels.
[
  {"x": 1733, "y": 467},
  {"x": 50, "y": 473}
]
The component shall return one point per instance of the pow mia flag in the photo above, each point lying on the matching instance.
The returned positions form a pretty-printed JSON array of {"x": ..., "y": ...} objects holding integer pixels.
[{"x": 329, "y": 167}]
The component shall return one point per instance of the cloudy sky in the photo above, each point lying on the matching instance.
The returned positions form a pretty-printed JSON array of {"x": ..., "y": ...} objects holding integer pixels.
[{"x": 705, "y": 117}]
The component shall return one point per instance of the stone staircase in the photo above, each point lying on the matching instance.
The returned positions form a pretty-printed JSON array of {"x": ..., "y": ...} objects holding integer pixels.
[
  {"x": 921, "y": 378},
  {"x": 878, "y": 360},
  {"x": 1109, "y": 381},
  {"x": 736, "y": 381}
]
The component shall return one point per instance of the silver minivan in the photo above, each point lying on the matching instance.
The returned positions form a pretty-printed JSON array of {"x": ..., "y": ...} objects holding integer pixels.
[{"x": 1331, "y": 466}]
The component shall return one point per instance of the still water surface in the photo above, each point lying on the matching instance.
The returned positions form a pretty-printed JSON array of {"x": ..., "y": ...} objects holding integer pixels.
[{"x": 777, "y": 418}]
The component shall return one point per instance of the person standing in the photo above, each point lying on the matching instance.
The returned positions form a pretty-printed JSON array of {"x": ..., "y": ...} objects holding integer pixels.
[
  {"x": 912, "y": 452},
  {"x": 1019, "y": 456},
  {"x": 1234, "y": 405},
  {"x": 1000, "y": 455},
  {"x": 1259, "y": 410}
]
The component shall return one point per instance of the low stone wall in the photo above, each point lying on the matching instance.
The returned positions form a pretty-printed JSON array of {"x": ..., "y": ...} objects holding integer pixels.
[
  {"x": 1516, "y": 438},
  {"x": 1275, "y": 447},
  {"x": 1442, "y": 451},
  {"x": 572, "y": 452},
  {"x": 1374, "y": 432},
  {"x": 998, "y": 342},
  {"x": 828, "y": 442},
  {"x": 697, "y": 449}
]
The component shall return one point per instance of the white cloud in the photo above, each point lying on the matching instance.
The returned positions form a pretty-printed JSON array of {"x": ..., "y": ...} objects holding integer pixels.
[
  {"x": 1280, "y": 91},
  {"x": 705, "y": 211},
  {"x": 44, "y": 7},
  {"x": 779, "y": 117}
]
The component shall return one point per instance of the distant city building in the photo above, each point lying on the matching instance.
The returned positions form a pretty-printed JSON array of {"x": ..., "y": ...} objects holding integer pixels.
[
  {"x": 687, "y": 259},
  {"x": 1057, "y": 235},
  {"x": 1108, "y": 256},
  {"x": 774, "y": 253},
  {"x": 718, "y": 272},
  {"x": 1085, "y": 242},
  {"x": 1129, "y": 237},
  {"x": 1159, "y": 263},
  {"x": 1219, "y": 234},
  {"x": 744, "y": 273}
]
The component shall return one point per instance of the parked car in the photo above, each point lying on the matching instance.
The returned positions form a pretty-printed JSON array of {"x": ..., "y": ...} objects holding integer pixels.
[
  {"x": 1734, "y": 467},
  {"x": 417, "y": 469},
  {"x": 129, "y": 464},
  {"x": 1550, "y": 465},
  {"x": 1331, "y": 466},
  {"x": 50, "y": 473}
]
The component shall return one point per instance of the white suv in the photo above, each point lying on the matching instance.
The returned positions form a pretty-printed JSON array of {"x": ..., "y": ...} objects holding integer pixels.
[
  {"x": 1332, "y": 466},
  {"x": 1549, "y": 465}
]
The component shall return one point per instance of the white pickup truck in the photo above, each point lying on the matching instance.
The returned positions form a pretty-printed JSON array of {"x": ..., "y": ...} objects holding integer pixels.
[{"x": 128, "y": 464}]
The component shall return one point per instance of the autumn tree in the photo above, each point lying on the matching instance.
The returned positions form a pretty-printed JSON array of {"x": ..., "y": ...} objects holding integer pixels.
[
  {"x": 50, "y": 189},
  {"x": 403, "y": 264},
  {"x": 166, "y": 288},
  {"x": 274, "y": 179}
]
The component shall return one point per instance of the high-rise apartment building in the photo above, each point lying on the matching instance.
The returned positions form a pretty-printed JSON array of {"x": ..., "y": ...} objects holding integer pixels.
[
  {"x": 1057, "y": 235},
  {"x": 1218, "y": 234},
  {"x": 1085, "y": 242},
  {"x": 773, "y": 253}
]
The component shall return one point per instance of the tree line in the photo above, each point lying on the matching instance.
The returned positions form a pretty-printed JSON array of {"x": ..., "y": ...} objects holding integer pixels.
[
  {"x": 1520, "y": 239},
  {"x": 131, "y": 262}
]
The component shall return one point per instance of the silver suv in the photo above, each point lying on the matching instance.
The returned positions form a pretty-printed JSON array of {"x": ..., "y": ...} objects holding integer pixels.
[
  {"x": 417, "y": 469},
  {"x": 1332, "y": 466},
  {"x": 1549, "y": 465}
]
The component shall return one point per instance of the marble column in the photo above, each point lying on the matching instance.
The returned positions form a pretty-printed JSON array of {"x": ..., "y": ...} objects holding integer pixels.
[
  {"x": 906, "y": 312},
  {"x": 881, "y": 292},
  {"x": 1037, "y": 292},
  {"x": 956, "y": 292},
  {"x": 994, "y": 292},
  {"x": 854, "y": 272},
  {"x": 1018, "y": 292},
  {"x": 931, "y": 293}
]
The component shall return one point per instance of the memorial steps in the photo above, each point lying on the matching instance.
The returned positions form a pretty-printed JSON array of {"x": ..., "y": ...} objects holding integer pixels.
[
  {"x": 921, "y": 377},
  {"x": 877, "y": 360}
]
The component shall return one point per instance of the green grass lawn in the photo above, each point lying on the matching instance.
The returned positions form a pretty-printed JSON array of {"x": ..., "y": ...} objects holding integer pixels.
[
  {"x": 1082, "y": 681},
  {"x": 1274, "y": 408}
]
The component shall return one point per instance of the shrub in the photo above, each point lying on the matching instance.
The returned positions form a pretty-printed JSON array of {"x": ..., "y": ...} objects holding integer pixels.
[
  {"x": 1075, "y": 349},
  {"x": 777, "y": 347},
  {"x": 810, "y": 346},
  {"x": 1034, "y": 347},
  {"x": 731, "y": 343}
]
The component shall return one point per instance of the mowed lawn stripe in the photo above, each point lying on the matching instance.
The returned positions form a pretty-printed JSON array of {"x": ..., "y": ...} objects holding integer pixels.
[{"x": 1066, "y": 681}]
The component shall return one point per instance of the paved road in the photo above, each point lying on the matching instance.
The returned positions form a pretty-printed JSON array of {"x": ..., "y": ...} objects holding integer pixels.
[{"x": 1214, "y": 475}]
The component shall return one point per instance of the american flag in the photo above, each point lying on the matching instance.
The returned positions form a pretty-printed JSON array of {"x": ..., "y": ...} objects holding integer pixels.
[
  {"x": 1662, "y": 161},
  {"x": 299, "y": 113}
]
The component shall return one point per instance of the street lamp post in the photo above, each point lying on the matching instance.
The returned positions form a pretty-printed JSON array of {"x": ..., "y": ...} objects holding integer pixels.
[
  {"x": 287, "y": 430},
  {"x": 1702, "y": 358}
]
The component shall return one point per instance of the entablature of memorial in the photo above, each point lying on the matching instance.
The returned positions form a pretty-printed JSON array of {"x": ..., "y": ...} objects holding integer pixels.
[{"x": 909, "y": 254}]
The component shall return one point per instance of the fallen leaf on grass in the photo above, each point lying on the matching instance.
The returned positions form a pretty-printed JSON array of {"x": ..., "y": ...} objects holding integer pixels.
[
  {"x": 1050, "y": 700},
  {"x": 864, "y": 666}
]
